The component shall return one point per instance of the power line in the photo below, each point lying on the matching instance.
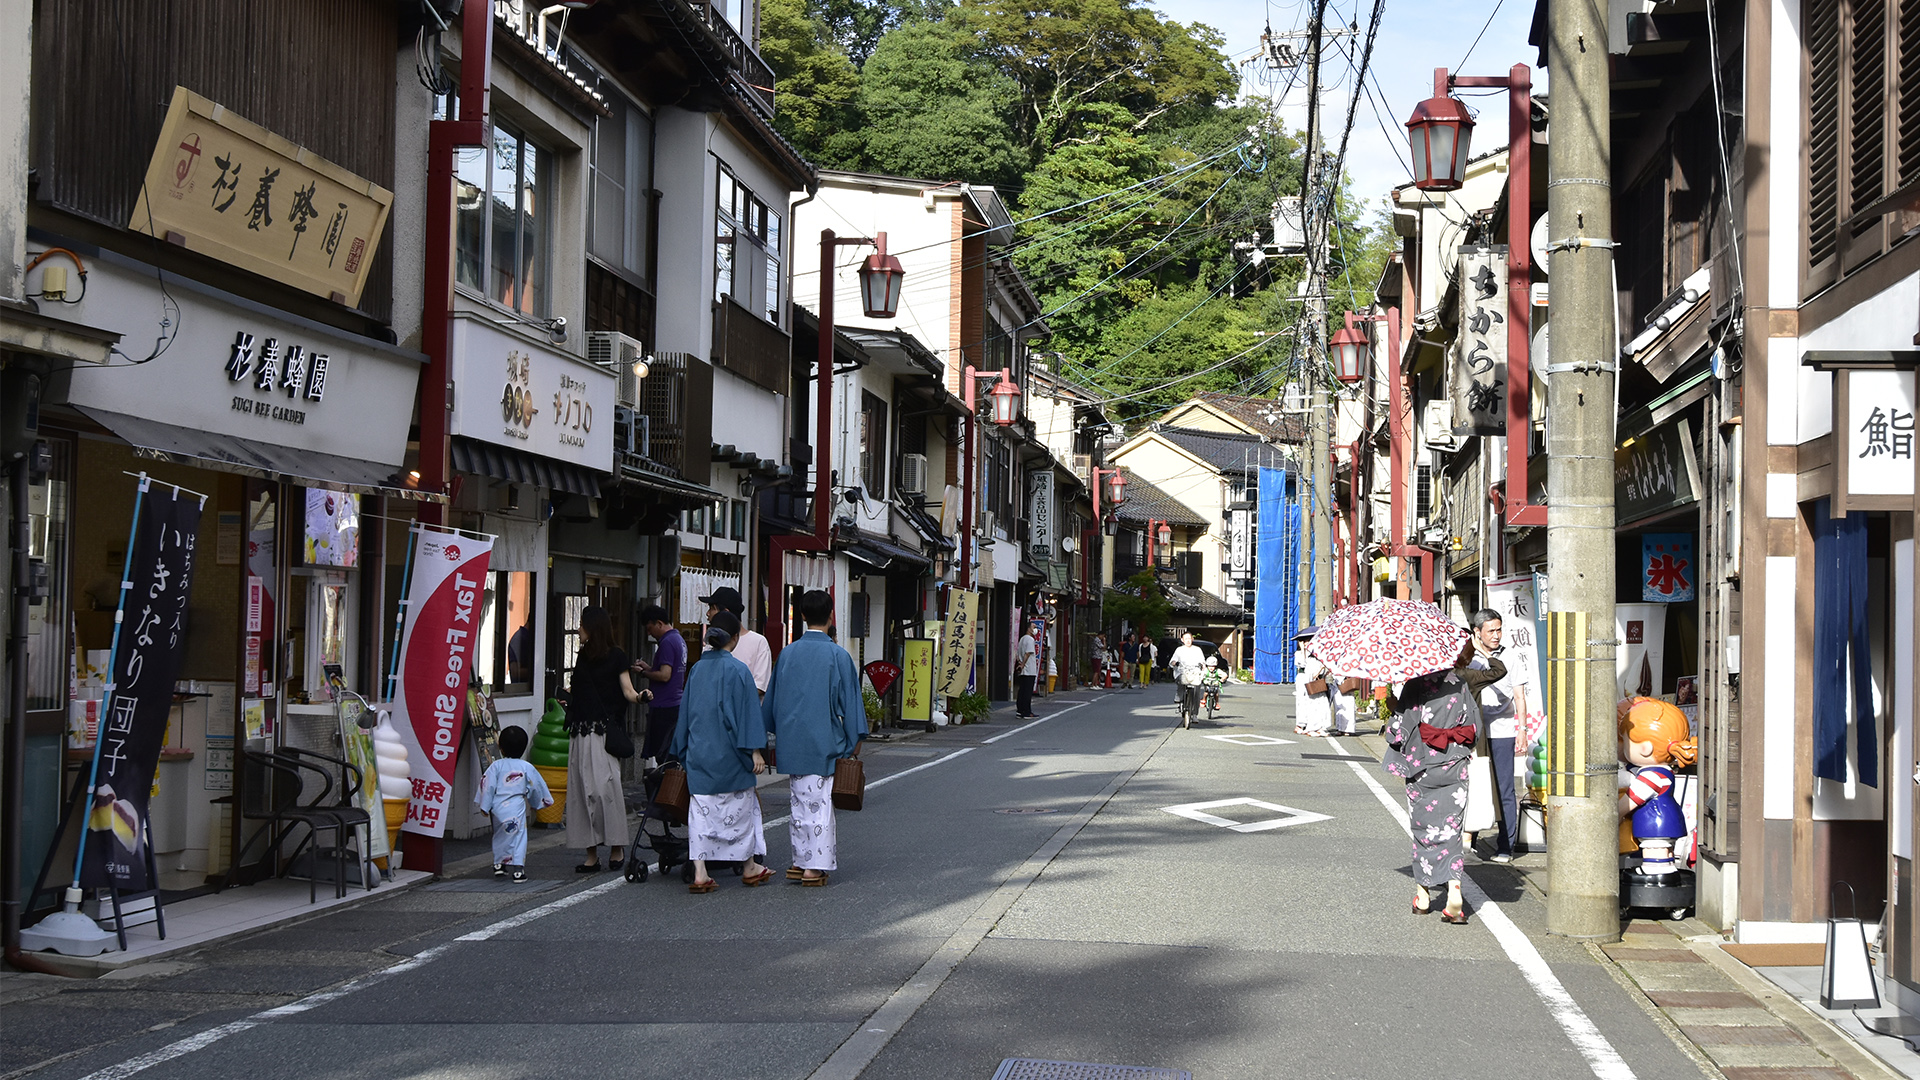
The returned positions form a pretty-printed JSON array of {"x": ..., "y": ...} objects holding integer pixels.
[{"x": 1481, "y": 34}]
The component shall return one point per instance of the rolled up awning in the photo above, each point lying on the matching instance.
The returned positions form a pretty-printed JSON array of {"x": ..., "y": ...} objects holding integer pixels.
[
  {"x": 520, "y": 467},
  {"x": 250, "y": 457}
]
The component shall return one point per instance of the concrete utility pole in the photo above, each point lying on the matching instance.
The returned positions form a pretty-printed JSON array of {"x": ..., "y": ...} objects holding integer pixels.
[
  {"x": 1316, "y": 213},
  {"x": 1583, "y": 898}
]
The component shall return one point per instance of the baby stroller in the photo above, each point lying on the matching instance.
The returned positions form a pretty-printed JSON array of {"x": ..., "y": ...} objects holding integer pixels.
[{"x": 664, "y": 838}]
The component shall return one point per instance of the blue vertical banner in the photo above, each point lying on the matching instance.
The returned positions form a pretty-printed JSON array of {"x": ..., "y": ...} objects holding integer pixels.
[
  {"x": 1667, "y": 570},
  {"x": 1272, "y": 651}
]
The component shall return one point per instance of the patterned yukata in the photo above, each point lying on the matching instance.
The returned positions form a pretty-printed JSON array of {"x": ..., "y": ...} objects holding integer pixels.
[
  {"x": 510, "y": 790},
  {"x": 814, "y": 708},
  {"x": 1436, "y": 779},
  {"x": 720, "y": 727}
]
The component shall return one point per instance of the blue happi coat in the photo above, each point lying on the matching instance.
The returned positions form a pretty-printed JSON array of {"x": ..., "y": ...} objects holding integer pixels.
[
  {"x": 813, "y": 706},
  {"x": 720, "y": 726}
]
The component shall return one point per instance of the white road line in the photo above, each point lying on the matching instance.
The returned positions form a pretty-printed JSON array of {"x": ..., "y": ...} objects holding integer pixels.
[
  {"x": 1600, "y": 1055},
  {"x": 1036, "y": 723},
  {"x": 207, "y": 1038}
]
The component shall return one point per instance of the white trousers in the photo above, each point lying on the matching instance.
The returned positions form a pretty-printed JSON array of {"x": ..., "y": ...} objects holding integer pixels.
[
  {"x": 816, "y": 840},
  {"x": 725, "y": 827}
]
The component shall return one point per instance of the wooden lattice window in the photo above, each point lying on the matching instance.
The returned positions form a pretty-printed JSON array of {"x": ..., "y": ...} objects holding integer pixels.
[{"x": 1862, "y": 130}]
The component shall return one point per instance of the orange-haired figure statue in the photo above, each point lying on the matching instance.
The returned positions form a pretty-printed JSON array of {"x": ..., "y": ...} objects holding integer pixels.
[{"x": 1653, "y": 742}]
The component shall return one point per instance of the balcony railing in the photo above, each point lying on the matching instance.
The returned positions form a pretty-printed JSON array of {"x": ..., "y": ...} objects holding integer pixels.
[
  {"x": 752, "y": 73},
  {"x": 751, "y": 347},
  {"x": 676, "y": 415}
]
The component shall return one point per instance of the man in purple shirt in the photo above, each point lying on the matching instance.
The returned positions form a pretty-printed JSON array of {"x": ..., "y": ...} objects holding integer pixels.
[{"x": 667, "y": 673}]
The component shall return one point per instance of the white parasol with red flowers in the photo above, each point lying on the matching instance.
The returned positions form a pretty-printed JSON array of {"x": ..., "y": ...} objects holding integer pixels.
[{"x": 1388, "y": 641}]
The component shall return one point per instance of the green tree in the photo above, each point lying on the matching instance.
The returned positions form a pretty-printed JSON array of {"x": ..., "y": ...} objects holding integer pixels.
[
  {"x": 935, "y": 108},
  {"x": 816, "y": 87},
  {"x": 1072, "y": 54},
  {"x": 1140, "y": 601}
]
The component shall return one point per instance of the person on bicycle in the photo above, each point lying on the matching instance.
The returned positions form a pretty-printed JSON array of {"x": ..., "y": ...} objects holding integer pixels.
[
  {"x": 1210, "y": 682},
  {"x": 1188, "y": 665}
]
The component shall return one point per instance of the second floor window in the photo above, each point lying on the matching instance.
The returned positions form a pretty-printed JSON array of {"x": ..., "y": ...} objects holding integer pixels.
[
  {"x": 746, "y": 250},
  {"x": 502, "y": 231},
  {"x": 873, "y": 445}
]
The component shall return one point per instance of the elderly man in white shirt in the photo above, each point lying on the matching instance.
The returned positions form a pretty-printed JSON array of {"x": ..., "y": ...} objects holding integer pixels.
[
  {"x": 1502, "y": 704},
  {"x": 1189, "y": 666},
  {"x": 752, "y": 648}
]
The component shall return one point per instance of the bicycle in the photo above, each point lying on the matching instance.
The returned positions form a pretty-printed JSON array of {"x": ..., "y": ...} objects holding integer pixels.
[{"x": 1211, "y": 700}]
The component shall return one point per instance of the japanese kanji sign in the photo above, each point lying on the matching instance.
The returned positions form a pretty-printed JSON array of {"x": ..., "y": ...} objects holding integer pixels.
[
  {"x": 229, "y": 188},
  {"x": 536, "y": 399},
  {"x": 1667, "y": 570},
  {"x": 448, "y": 572},
  {"x": 1479, "y": 376},
  {"x": 916, "y": 686},
  {"x": 1040, "y": 516},
  {"x": 954, "y": 665},
  {"x": 150, "y": 639},
  {"x": 1879, "y": 432},
  {"x": 1655, "y": 472}
]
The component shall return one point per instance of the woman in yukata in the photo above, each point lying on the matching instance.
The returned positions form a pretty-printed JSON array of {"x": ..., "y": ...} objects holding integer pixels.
[
  {"x": 719, "y": 739},
  {"x": 1429, "y": 741}
]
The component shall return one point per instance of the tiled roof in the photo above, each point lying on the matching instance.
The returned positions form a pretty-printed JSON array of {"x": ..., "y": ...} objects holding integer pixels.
[
  {"x": 1229, "y": 453},
  {"x": 1144, "y": 502},
  {"x": 1261, "y": 415},
  {"x": 1200, "y": 602}
]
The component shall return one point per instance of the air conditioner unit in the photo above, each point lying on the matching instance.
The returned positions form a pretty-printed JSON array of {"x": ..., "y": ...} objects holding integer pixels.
[
  {"x": 1083, "y": 465},
  {"x": 1437, "y": 425},
  {"x": 988, "y": 524},
  {"x": 913, "y": 474},
  {"x": 618, "y": 353},
  {"x": 632, "y": 432}
]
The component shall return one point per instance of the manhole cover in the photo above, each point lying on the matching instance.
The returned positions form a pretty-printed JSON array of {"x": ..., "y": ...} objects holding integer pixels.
[
  {"x": 1033, "y": 1069},
  {"x": 1027, "y": 810}
]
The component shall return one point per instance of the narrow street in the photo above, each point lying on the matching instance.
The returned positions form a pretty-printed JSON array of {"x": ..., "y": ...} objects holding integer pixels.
[{"x": 1010, "y": 890}]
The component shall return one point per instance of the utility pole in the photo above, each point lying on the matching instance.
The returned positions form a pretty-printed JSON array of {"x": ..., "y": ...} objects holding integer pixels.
[
  {"x": 1582, "y": 816},
  {"x": 1315, "y": 213}
]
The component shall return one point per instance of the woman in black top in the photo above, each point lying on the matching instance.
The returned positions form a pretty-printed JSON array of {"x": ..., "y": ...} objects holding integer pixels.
[{"x": 597, "y": 696}]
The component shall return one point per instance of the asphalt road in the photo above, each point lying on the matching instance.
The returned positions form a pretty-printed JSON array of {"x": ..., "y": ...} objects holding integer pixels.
[{"x": 1021, "y": 892}]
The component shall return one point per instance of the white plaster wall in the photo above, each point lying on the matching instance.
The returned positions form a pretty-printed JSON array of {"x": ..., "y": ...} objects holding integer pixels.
[
  {"x": 1884, "y": 321},
  {"x": 917, "y": 236},
  {"x": 686, "y": 177},
  {"x": 747, "y": 416},
  {"x": 1194, "y": 484}
]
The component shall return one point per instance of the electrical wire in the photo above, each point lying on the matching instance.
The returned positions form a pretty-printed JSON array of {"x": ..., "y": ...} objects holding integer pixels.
[{"x": 1483, "y": 33}]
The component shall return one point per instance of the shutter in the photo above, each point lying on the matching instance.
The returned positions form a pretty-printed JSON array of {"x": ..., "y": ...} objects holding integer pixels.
[
  {"x": 1823, "y": 129},
  {"x": 1867, "y": 108},
  {"x": 1908, "y": 45}
]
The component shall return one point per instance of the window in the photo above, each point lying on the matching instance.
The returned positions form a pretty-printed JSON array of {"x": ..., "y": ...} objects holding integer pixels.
[
  {"x": 622, "y": 144},
  {"x": 501, "y": 193},
  {"x": 572, "y": 606},
  {"x": 739, "y": 519},
  {"x": 746, "y": 250},
  {"x": 717, "y": 519},
  {"x": 1863, "y": 127},
  {"x": 503, "y": 650},
  {"x": 873, "y": 445}
]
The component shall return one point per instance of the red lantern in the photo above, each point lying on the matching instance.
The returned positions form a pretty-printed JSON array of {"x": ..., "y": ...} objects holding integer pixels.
[
  {"x": 1116, "y": 487},
  {"x": 1006, "y": 401},
  {"x": 1439, "y": 134}
]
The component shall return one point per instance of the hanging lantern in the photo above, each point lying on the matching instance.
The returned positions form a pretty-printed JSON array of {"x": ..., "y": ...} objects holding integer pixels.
[
  {"x": 1439, "y": 134},
  {"x": 880, "y": 279},
  {"x": 1165, "y": 536},
  {"x": 1006, "y": 401},
  {"x": 1349, "y": 347},
  {"x": 1116, "y": 487}
]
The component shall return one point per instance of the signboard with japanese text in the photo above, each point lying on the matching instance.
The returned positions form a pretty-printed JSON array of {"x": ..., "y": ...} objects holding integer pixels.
[
  {"x": 954, "y": 665},
  {"x": 1879, "y": 433},
  {"x": 916, "y": 680},
  {"x": 1654, "y": 473},
  {"x": 1240, "y": 542},
  {"x": 231, "y": 189},
  {"x": 1040, "y": 516},
  {"x": 1479, "y": 376},
  {"x": 1514, "y": 599},
  {"x": 1667, "y": 570},
  {"x": 511, "y": 392},
  {"x": 227, "y": 366},
  {"x": 150, "y": 642},
  {"x": 447, "y": 576}
]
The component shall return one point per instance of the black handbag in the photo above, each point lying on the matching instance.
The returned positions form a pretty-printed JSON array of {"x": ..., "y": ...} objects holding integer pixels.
[{"x": 619, "y": 739}]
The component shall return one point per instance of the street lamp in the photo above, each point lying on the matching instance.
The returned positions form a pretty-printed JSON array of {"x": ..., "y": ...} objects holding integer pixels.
[
  {"x": 880, "y": 278},
  {"x": 1439, "y": 133},
  {"x": 1006, "y": 401},
  {"x": 1006, "y": 398},
  {"x": 1349, "y": 346}
]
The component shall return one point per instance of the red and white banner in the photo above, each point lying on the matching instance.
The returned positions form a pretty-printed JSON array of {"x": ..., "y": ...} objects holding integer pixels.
[{"x": 437, "y": 641}]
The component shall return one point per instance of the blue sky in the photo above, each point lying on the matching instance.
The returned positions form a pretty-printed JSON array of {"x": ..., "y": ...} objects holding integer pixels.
[{"x": 1414, "y": 39}]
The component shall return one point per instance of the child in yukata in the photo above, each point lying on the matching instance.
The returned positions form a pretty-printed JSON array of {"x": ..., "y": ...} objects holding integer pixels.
[{"x": 510, "y": 791}]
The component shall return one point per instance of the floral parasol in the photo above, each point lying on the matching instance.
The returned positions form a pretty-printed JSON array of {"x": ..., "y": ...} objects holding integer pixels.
[{"x": 1388, "y": 640}]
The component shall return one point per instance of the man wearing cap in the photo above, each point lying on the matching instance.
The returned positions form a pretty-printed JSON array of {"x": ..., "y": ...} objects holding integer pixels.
[{"x": 752, "y": 648}]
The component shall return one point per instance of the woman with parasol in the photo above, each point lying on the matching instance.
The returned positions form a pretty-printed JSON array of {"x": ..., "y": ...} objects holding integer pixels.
[{"x": 1430, "y": 735}]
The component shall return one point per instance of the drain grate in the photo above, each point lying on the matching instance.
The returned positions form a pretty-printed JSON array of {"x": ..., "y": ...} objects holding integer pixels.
[
  {"x": 1027, "y": 810},
  {"x": 497, "y": 885},
  {"x": 1034, "y": 1069}
]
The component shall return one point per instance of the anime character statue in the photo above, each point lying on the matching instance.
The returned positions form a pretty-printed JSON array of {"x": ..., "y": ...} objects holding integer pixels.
[{"x": 1654, "y": 740}]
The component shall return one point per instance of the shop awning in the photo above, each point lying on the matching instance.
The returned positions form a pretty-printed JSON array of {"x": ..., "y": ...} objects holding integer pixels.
[
  {"x": 231, "y": 453},
  {"x": 885, "y": 556},
  {"x": 519, "y": 467},
  {"x": 686, "y": 491}
]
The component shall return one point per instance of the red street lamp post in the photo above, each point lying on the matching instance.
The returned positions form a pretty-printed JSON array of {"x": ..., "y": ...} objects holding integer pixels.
[
  {"x": 1006, "y": 409},
  {"x": 880, "y": 279},
  {"x": 1438, "y": 134}
]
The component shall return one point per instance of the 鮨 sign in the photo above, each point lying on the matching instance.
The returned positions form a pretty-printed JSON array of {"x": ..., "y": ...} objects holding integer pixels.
[
  {"x": 954, "y": 665},
  {"x": 231, "y": 189},
  {"x": 447, "y": 581}
]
